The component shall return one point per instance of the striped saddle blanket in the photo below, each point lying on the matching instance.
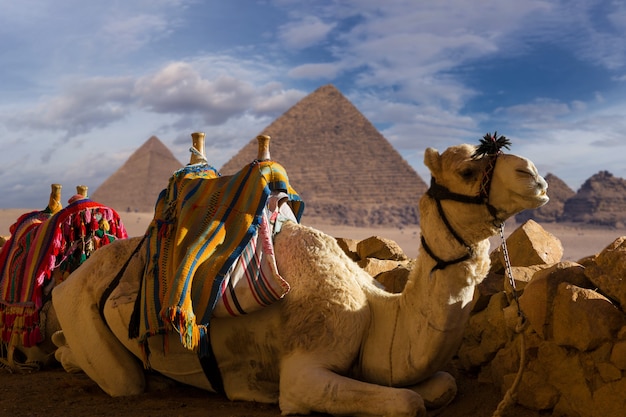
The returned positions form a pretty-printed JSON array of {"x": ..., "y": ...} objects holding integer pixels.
[{"x": 210, "y": 252}]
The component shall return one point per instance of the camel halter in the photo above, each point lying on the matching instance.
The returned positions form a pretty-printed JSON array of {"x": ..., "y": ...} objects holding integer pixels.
[{"x": 490, "y": 147}]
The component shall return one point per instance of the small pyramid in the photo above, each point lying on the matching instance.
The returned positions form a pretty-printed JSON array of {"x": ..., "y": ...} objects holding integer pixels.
[
  {"x": 136, "y": 185},
  {"x": 343, "y": 168}
]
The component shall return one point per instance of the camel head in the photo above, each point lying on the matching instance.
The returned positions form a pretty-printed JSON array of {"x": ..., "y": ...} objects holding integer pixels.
[{"x": 505, "y": 184}]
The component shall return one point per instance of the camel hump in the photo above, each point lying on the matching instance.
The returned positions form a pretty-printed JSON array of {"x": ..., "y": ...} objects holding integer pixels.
[
  {"x": 197, "y": 149},
  {"x": 264, "y": 147}
]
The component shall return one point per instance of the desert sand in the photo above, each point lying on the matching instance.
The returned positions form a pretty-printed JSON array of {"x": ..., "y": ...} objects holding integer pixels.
[{"x": 578, "y": 240}]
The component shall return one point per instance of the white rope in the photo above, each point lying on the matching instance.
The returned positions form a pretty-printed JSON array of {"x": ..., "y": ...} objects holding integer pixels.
[{"x": 197, "y": 153}]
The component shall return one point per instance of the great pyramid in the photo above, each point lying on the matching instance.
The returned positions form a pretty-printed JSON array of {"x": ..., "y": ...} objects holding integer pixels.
[
  {"x": 343, "y": 168},
  {"x": 136, "y": 185}
]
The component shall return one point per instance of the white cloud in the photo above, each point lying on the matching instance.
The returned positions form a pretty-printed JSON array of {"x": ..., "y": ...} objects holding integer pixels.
[
  {"x": 315, "y": 71},
  {"x": 82, "y": 106},
  {"x": 121, "y": 34},
  {"x": 304, "y": 32}
]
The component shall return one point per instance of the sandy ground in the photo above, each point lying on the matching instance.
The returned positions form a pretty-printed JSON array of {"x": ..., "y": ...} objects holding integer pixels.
[
  {"x": 578, "y": 240},
  {"x": 54, "y": 392}
]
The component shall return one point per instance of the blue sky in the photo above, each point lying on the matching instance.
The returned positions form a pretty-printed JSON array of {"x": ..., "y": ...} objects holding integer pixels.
[{"x": 84, "y": 84}]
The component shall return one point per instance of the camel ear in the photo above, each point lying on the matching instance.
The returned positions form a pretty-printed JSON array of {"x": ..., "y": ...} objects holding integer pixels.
[{"x": 432, "y": 160}]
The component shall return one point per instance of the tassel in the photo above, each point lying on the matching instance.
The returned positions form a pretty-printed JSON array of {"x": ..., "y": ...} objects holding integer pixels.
[
  {"x": 145, "y": 354},
  {"x": 87, "y": 216},
  {"x": 94, "y": 224}
]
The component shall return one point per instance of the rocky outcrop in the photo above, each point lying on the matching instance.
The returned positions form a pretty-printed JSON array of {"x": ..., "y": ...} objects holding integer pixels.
[
  {"x": 601, "y": 200},
  {"x": 573, "y": 334},
  {"x": 380, "y": 257}
]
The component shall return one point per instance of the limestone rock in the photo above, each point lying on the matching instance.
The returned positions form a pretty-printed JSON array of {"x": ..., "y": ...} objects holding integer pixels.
[
  {"x": 529, "y": 244},
  {"x": 608, "y": 372},
  {"x": 534, "y": 391},
  {"x": 610, "y": 399},
  {"x": 618, "y": 355},
  {"x": 538, "y": 297},
  {"x": 349, "y": 247},
  {"x": 485, "y": 335},
  {"x": 395, "y": 279},
  {"x": 374, "y": 266},
  {"x": 522, "y": 276},
  {"x": 565, "y": 373},
  {"x": 380, "y": 248},
  {"x": 608, "y": 271},
  {"x": 492, "y": 284},
  {"x": 583, "y": 318}
]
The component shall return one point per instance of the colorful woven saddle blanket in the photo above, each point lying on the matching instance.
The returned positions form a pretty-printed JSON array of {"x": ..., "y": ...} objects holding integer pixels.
[
  {"x": 210, "y": 234},
  {"x": 60, "y": 243}
]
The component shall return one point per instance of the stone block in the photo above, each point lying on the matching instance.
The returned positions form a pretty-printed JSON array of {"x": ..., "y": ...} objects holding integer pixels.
[
  {"x": 349, "y": 247},
  {"x": 618, "y": 355},
  {"x": 534, "y": 391},
  {"x": 608, "y": 271},
  {"x": 529, "y": 244},
  {"x": 374, "y": 266},
  {"x": 537, "y": 300},
  {"x": 380, "y": 248},
  {"x": 395, "y": 279},
  {"x": 583, "y": 318},
  {"x": 610, "y": 399}
]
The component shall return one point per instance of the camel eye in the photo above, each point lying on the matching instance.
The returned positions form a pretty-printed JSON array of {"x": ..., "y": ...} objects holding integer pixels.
[{"x": 468, "y": 174}]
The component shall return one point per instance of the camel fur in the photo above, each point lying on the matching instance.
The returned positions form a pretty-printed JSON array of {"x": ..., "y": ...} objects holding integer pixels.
[{"x": 336, "y": 343}]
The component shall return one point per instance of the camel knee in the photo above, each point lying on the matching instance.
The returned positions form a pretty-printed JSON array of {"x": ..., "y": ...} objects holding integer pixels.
[
  {"x": 437, "y": 391},
  {"x": 65, "y": 357}
]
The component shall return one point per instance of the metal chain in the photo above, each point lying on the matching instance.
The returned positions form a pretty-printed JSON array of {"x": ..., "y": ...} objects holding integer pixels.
[
  {"x": 509, "y": 272},
  {"x": 510, "y": 396}
]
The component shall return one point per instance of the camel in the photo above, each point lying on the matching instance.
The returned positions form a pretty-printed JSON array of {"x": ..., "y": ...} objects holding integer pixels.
[
  {"x": 46, "y": 246},
  {"x": 337, "y": 342}
]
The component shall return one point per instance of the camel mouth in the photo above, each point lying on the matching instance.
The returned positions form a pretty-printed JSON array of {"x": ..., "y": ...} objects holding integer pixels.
[{"x": 541, "y": 199}]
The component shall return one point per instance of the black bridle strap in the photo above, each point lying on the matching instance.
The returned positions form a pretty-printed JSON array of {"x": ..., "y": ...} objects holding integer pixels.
[
  {"x": 440, "y": 263},
  {"x": 439, "y": 192}
]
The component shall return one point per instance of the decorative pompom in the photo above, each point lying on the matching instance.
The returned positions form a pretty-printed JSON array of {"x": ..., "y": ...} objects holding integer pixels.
[{"x": 491, "y": 145}]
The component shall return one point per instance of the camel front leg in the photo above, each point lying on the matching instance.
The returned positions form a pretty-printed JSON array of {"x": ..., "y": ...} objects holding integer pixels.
[
  {"x": 91, "y": 346},
  {"x": 306, "y": 386}
]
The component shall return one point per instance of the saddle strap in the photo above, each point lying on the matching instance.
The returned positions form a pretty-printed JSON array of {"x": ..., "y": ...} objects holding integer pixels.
[{"x": 116, "y": 281}]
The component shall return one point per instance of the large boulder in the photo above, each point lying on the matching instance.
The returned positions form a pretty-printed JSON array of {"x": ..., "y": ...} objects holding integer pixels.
[
  {"x": 575, "y": 338},
  {"x": 529, "y": 244},
  {"x": 607, "y": 271},
  {"x": 380, "y": 248},
  {"x": 538, "y": 297},
  {"x": 583, "y": 318}
]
